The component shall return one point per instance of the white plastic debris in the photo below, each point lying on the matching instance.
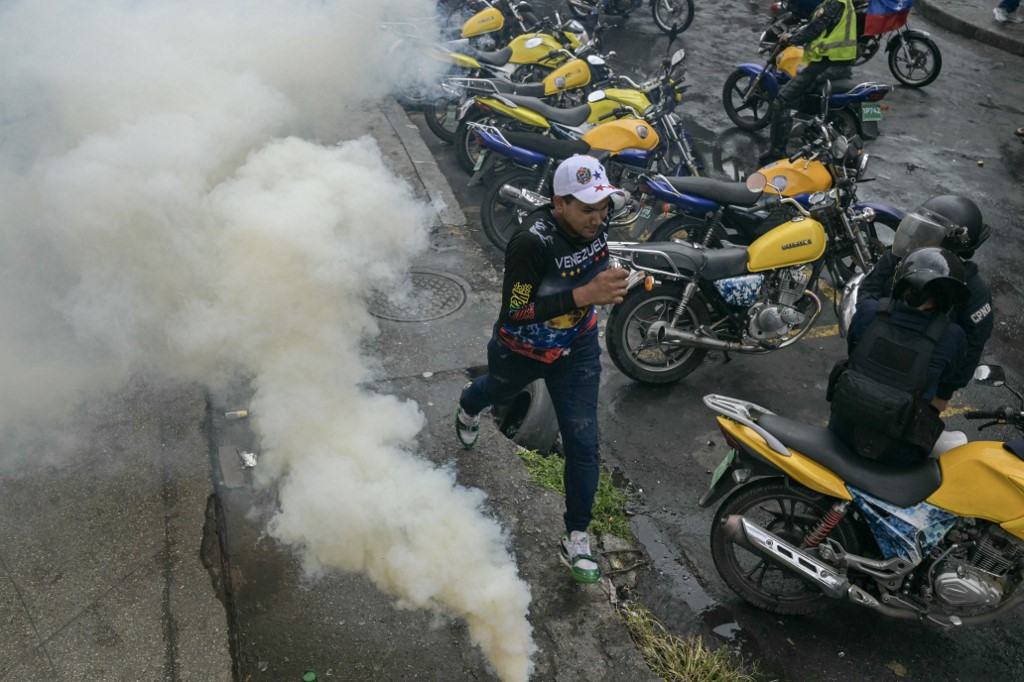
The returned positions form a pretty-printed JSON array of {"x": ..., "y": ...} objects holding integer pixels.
[{"x": 248, "y": 459}]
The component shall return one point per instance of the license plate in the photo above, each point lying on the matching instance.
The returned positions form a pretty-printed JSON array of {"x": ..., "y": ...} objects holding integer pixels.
[
  {"x": 870, "y": 112},
  {"x": 722, "y": 468},
  {"x": 479, "y": 161}
]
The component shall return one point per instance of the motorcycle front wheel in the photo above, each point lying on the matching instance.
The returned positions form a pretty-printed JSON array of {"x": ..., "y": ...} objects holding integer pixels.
[
  {"x": 914, "y": 60},
  {"x": 500, "y": 217},
  {"x": 747, "y": 108},
  {"x": 672, "y": 16},
  {"x": 626, "y": 335},
  {"x": 789, "y": 511}
]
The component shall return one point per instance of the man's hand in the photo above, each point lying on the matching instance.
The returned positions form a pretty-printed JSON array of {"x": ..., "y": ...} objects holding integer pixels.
[
  {"x": 784, "y": 38},
  {"x": 609, "y": 286}
]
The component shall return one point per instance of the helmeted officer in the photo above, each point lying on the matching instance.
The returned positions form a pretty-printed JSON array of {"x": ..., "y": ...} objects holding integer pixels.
[
  {"x": 954, "y": 223},
  {"x": 901, "y": 350}
]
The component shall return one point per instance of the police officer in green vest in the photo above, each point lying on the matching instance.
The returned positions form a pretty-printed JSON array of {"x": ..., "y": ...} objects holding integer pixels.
[{"x": 830, "y": 46}]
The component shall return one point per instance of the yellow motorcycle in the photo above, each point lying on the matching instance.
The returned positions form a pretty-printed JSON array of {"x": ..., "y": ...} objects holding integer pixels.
[
  {"x": 753, "y": 299},
  {"x": 805, "y": 520}
]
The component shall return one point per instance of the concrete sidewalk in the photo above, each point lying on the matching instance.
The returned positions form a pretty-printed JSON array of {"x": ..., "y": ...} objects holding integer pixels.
[{"x": 974, "y": 19}]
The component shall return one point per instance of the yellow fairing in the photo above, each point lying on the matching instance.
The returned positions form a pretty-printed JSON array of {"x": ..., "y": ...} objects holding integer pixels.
[
  {"x": 982, "y": 480},
  {"x": 600, "y": 109},
  {"x": 630, "y": 98},
  {"x": 798, "y": 467},
  {"x": 572, "y": 39},
  {"x": 533, "y": 48},
  {"x": 615, "y": 136},
  {"x": 522, "y": 114},
  {"x": 572, "y": 74},
  {"x": 482, "y": 22},
  {"x": 789, "y": 60},
  {"x": 797, "y": 177},
  {"x": 801, "y": 240}
]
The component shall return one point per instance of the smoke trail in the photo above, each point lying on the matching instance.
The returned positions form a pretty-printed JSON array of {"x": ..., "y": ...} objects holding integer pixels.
[{"x": 166, "y": 209}]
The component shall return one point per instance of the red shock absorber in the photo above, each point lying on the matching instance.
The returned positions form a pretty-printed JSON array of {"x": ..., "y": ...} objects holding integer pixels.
[{"x": 826, "y": 524}]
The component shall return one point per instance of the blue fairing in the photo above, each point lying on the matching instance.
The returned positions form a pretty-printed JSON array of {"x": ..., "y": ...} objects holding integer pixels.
[
  {"x": 688, "y": 202},
  {"x": 909, "y": 532},
  {"x": 635, "y": 157},
  {"x": 517, "y": 154},
  {"x": 883, "y": 212},
  {"x": 768, "y": 80}
]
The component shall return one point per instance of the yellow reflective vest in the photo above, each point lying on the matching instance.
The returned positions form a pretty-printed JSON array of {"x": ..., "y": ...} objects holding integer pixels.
[{"x": 839, "y": 44}]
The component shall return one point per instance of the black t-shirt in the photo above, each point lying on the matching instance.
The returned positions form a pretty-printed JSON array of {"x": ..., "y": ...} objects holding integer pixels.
[{"x": 543, "y": 265}]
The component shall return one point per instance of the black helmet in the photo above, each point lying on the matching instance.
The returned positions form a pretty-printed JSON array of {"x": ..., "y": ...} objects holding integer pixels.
[
  {"x": 948, "y": 220},
  {"x": 931, "y": 272}
]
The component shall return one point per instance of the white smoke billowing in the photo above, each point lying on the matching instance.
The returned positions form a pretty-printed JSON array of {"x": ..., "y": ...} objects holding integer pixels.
[{"x": 168, "y": 206}]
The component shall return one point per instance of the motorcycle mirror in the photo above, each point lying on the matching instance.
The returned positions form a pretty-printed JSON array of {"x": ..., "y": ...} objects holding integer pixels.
[
  {"x": 596, "y": 96},
  {"x": 678, "y": 57},
  {"x": 756, "y": 182},
  {"x": 989, "y": 375}
]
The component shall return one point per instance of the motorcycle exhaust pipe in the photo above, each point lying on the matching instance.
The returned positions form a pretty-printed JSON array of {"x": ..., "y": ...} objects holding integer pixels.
[
  {"x": 660, "y": 332},
  {"x": 522, "y": 197},
  {"x": 756, "y": 539}
]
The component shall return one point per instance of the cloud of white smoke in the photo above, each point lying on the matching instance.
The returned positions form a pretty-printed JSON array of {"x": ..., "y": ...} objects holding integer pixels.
[{"x": 173, "y": 203}]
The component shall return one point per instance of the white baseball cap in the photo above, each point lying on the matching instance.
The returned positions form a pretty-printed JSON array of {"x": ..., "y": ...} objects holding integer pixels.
[{"x": 583, "y": 177}]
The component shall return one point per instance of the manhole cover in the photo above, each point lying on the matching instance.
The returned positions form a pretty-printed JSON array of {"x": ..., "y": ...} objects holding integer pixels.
[{"x": 433, "y": 295}]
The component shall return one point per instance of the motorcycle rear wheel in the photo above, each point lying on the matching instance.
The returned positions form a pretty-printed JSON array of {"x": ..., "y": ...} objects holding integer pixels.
[
  {"x": 467, "y": 147},
  {"x": 789, "y": 511},
  {"x": 736, "y": 99},
  {"x": 672, "y": 15},
  {"x": 441, "y": 114},
  {"x": 626, "y": 331},
  {"x": 922, "y": 63},
  {"x": 501, "y": 218}
]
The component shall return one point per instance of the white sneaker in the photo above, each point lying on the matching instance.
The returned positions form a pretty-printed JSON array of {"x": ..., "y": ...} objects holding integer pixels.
[
  {"x": 574, "y": 551},
  {"x": 1001, "y": 16}
]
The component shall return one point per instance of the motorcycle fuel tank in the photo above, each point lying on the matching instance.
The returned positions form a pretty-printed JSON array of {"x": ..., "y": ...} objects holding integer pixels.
[
  {"x": 485, "y": 21},
  {"x": 534, "y": 48},
  {"x": 573, "y": 74},
  {"x": 801, "y": 240},
  {"x": 982, "y": 480},
  {"x": 790, "y": 178},
  {"x": 616, "y": 136}
]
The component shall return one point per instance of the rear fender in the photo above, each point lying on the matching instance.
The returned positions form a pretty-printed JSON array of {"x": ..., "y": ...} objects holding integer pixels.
[
  {"x": 744, "y": 468},
  {"x": 496, "y": 143}
]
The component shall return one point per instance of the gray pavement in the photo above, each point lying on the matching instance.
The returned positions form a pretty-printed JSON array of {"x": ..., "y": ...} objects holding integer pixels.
[{"x": 974, "y": 19}]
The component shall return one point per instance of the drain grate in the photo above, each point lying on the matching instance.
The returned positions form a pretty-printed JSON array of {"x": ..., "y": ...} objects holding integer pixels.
[{"x": 434, "y": 295}]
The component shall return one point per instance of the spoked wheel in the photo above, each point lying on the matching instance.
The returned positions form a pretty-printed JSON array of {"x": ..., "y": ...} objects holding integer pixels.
[
  {"x": 467, "y": 146},
  {"x": 653, "y": 362},
  {"x": 914, "y": 60},
  {"x": 867, "y": 47},
  {"x": 672, "y": 15},
  {"x": 686, "y": 229},
  {"x": 500, "y": 217},
  {"x": 843, "y": 122},
  {"x": 747, "y": 107},
  {"x": 790, "y": 512}
]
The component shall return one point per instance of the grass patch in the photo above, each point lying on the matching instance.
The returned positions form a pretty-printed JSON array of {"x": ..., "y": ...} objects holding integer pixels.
[
  {"x": 676, "y": 659},
  {"x": 609, "y": 503}
]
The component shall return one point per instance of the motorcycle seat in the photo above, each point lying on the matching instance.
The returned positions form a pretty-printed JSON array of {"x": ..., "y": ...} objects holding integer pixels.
[
  {"x": 507, "y": 87},
  {"x": 570, "y": 117},
  {"x": 711, "y": 263},
  {"x": 549, "y": 146},
  {"x": 720, "y": 191},
  {"x": 903, "y": 486},
  {"x": 843, "y": 85},
  {"x": 496, "y": 58}
]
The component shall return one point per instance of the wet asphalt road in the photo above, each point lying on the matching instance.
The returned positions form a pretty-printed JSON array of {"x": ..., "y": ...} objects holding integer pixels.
[{"x": 665, "y": 443}]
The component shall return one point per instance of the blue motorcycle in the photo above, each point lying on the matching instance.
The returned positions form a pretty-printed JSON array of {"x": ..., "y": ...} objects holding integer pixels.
[{"x": 853, "y": 108}]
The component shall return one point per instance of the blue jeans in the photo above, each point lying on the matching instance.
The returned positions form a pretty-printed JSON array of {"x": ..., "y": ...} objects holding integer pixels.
[
  {"x": 1009, "y": 5},
  {"x": 572, "y": 381}
]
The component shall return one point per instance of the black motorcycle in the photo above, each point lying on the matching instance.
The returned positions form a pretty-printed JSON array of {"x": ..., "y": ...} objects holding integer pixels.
[{"x": 671, "y": 16}]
